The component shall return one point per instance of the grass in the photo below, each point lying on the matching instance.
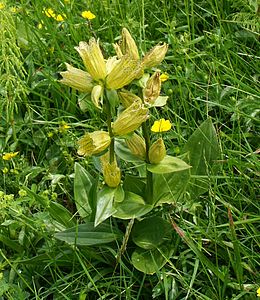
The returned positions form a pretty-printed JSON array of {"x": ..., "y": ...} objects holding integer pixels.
[{"x": 213, "y": 67}]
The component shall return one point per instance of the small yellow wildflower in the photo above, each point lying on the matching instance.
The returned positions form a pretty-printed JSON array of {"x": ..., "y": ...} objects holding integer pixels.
[
  {"x": 60, "y": 18},
  {"x": 2, "y": 5},
  {"x": 258, "y": 292},
  {"x": 50, "y": 134},
  {"x": 49, "y": 12},
  {"x": 63, "y": 127},
  {"x": 10, "y": 155},
  {"x": 87, "y": 14},
  {"x": 161, "y": 125},
  {"x": 164, "y": 77}
]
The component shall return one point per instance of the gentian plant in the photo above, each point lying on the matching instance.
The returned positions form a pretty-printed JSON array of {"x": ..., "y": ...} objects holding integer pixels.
[{"x": 126, "y": 89}]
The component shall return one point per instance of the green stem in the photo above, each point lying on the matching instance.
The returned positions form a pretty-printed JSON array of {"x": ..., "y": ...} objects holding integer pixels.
[
  {"x": 109, "y": 122},
  {"x": 149, "y": 175}
]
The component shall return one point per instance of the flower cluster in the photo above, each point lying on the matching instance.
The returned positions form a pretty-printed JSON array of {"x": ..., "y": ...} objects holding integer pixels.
[
  {"x": 104, "y": 81},
  {"x": 50, "y": 13}
]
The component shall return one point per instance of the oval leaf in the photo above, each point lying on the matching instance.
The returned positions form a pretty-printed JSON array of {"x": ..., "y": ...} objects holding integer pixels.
[
  {"x": 88, "y": 235},
  {"x": 168, "y": 165},
  {"x": 151, "y": 232},
  {"x": 133, "y": 206}
]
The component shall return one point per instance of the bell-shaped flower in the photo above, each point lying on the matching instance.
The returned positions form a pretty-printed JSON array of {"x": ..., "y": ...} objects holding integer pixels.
[
  {"x": 93, "y": 59},
  {"x": 127, "y": 98},
  {"x": 77, "y": 79},
  {"x": 93, "y": 143},
  {"x": 130, "y": 119},
  {"x": 124, "y": 71}
]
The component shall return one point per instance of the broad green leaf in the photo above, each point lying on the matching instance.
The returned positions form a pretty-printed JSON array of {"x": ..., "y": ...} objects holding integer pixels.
[
  {"x": 105, "y": 209},
  {"x": 203, "y": 149},
  {"x": 134, "y": 184},
  {"x": 169, "y": 164},
  {"x": 168, "y": 188},
  {"x": 82, "y": 185},
  {"x": 133, "y": 206},
  {"x": 88, "y": 235},
  {"x": 61, "y": 214},
  {"x": 151, "y": 261},
  {"x": 151, "y": 232},
  {"x": 57, "y": 211},
  {"x": 119, "y": 194},
  {"x": 124, "y": 152}
]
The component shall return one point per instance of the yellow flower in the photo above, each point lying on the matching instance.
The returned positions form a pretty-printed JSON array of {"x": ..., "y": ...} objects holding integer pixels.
[
  {"x": 164, "y": 77},
  {"x": 49, "y": 12},
  {"x": 77, "y": 79},
  {"x": 60, "y": 17},
  {"x": 63, "y": 127},
  {"x": 130, "y": 119},
  {"x": 2, "y": 5},
  {"x": 258, "y": 292},
  {"x": 87, "y": 14},
  {"x": 152, "y": 89},
  {"x": 111, "y": 172},
  {"x": 10, "y": 155},
  {"x": 93, "y": 143},
  {"x": 93, "y": 59},
  {"x": 155, "y": 56},
  {"x": 161, "y": 125},
  {"x": 137, "y": 146}
]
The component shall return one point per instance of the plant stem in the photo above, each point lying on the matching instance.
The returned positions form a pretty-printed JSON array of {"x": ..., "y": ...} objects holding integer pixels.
[
  {"x": 149, "y": 175},
  {"x": 109, "y": 121}
]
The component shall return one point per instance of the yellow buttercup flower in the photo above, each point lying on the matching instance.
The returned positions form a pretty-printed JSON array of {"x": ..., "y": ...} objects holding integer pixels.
[
  {"x": 40, "y": 25},
  {"x": 87, "y": 14},
  {"x": 60, "y": 17},
  {"x": 164, "y": 77},
  {"x": 258, "y": 292},
  {"x": 161, "y": 125},
  {"x": 10, "y": 155},
  {"x": 63, "y": 127},
  {"x": 2, "y": 5},
  {"x": 13, "y": 9},
  {"x": 49, "y": 12}
]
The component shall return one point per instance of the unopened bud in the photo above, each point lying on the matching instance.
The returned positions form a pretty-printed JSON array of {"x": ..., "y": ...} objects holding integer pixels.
[
  {"x": 77, "y": 79},
  {"x": 111, "y": 172},
  {"x": 128, "y": 45},
  {"x": 153, "y": 88},
  {"x": 157, "y": 151},
  {"x": 155, "y": 56},
  {"x": 93, "y": 143},
  {"x": 136, "y": 144},
  {"x": 127, "y": 98},
  {"x": 130, "y": 119}
]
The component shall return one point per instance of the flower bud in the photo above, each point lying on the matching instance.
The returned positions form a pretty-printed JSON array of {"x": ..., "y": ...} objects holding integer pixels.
[
  {"x": 77, "y": 79},
  {"x": 157, "y": 151},
  {"x": 93, "y": 59},
  {"x": 153, "y": 88},
  {"x": 97, "y": 95},
  {"x": 128, "y": 45},
  {"x": 93, "y": 143},
  {"x": 127, "y": 98},
  {"x": 136, "y": 144},
  {"x": 130, "y": 119},
  {"x": 111, "y": 172},
  {"x": 155, "y": 56}
]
